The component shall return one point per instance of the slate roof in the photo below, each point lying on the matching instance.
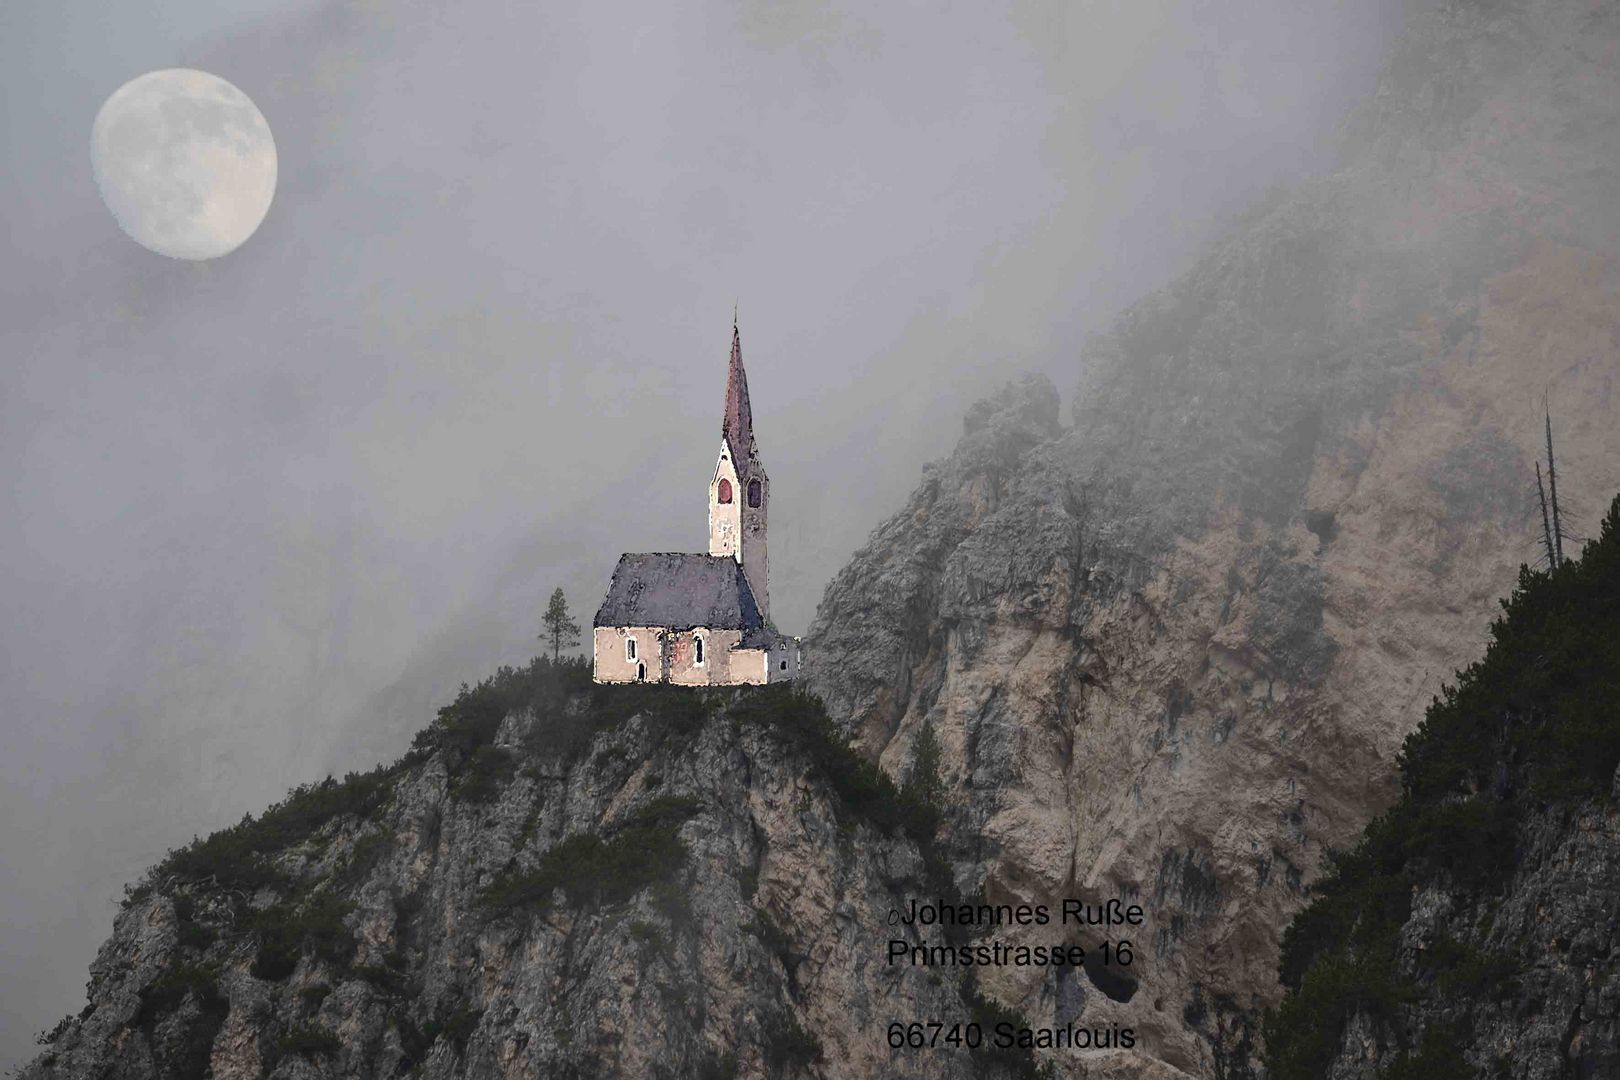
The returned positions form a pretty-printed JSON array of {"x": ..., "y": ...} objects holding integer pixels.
[
  {"x": 679, "y": 591},
  {"x": 763, "y": 637}
]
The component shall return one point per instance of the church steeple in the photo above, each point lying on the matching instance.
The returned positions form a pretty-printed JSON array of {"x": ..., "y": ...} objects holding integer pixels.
[
  {"x": 737, "y": 425},
  {"x": 739, "y": 490}
]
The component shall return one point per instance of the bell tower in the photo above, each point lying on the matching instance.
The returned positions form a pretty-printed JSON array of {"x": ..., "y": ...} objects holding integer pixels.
[{"x": 739, "y": 491}]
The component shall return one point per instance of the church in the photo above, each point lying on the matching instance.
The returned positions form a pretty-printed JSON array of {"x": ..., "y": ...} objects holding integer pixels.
[{"x": 703, "y": 620}]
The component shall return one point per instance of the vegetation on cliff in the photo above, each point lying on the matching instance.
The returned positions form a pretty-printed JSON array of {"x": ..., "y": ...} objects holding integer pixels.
[
  {"x": 627, "y": 831},
  {"x": 1530, "y": 730}
]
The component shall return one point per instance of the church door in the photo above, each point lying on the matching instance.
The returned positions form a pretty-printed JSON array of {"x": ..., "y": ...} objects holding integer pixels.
[{"x": 641, "y": 672}]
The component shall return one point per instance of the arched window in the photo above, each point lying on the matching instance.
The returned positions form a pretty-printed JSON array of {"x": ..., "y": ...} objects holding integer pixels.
[
  {"x": 725, "y": 491},
  {"x": 753, "y": 494},
  {"x": 697, "y": 641}
]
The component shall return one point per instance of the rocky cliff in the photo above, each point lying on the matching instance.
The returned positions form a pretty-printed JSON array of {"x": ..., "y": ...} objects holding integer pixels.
[
  {"x": 559, "y": 880},
  {"x": 1171, "y": 647},
  {"x": 1167, "y": 647},
  {"x": 1471, "y": 930}
]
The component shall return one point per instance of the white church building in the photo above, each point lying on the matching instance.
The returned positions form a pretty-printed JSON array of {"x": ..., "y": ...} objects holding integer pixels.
[{"x": 703, "y": 620}]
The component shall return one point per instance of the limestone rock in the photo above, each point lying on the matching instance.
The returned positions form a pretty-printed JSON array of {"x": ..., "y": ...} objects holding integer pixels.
[
  {"x": 761, "y": 952},
  {"x": 1171, "y": 649}
]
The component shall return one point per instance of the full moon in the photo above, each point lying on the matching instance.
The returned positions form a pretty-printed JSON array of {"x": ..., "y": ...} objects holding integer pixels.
[{"x": 185, "y": 162}]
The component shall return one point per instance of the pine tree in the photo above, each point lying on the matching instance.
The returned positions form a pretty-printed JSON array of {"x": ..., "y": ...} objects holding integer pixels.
[
  {"x": 924, "y": 784},
  {"x": 561, "y": 629}
]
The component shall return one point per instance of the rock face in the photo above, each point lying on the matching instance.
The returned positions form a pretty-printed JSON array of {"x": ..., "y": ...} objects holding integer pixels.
[
  {"x": 1168, "y": 651},
  {"x": 559, "y": 881},
  {"x": 1171, "y": 649},
  {"x": 1471, "y": 929},
  {"x": 1536, "y": 994}
]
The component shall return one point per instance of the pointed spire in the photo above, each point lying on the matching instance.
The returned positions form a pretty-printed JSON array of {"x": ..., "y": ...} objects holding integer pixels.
[{"x": 737, "y": 427}]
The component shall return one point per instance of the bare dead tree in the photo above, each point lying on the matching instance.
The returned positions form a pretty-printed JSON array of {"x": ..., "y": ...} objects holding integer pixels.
[
  {"x": 1552, "y": 487},
  {"x": 1546, "y": 522}
]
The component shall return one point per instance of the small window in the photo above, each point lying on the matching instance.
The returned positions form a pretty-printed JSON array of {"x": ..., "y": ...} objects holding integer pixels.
[
  {"x": 629, "y": 648},
  {"x": 725, "y": 491},
  {"x": 753, "y": 494},
  {"x": 697, "y": 641},
  {"x": 784, "y": 665}
]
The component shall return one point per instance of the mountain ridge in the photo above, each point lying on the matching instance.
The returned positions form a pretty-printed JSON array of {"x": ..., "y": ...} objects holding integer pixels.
[
  {"x": 1175, "y": 645},
  {"x": 558, "y": 879}
]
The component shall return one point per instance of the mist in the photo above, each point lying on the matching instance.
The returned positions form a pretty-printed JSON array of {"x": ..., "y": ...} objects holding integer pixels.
[{"x": 263, "y": 513}]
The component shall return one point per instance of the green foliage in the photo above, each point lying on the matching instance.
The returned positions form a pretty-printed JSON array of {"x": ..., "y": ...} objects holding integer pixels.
[
  {"x": 313, "y": 996},
  {"x": 288, "y": 931},
  {"x": 186, "y": 1057},
  {"x": 748, "y": 881},
  {"x": 169, "y": 990},
  {"x": 487, "y": 769},
  {"x": 864, "y": 789},
  {"x": 45, "y": 1038},
  {"x": 923, "y": 797},
  {"x": 192, "y": 934},
  {"x": 307, "y": 1042},
  {"x": 602, "y": 870},
  {"x": 458, "y": 1027},
  {"x": 239, "y": 856},
  {"x": 786, "y": 1044},
  {"x": 1544, "y": 694},
  {"x": 717, "y": 1067},
  {"x": 570, "y": 711},
  {"x": 369, "y": 850},
  {"x": 1465, "y": 972},
  {"x": 1534, "y": 723},
  {"x": 561, "y": 629},
  {"x": 471, "y": 720},
  {"x": 679, "y": 710},
  {"x": 776, "y": 942},
  {"x": 1437, "y": 1058},
  {"x": 1302, "y": 1035},
  {"x": 989, "y": 1014},
  {"x": 390, "y": 978}
]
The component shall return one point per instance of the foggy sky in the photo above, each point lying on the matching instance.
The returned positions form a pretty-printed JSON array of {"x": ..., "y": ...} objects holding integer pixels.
[{"x": 262, "y": 513}]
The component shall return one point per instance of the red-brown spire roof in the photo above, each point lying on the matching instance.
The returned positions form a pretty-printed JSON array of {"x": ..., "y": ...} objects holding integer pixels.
[{"x": 737, "y": 427}]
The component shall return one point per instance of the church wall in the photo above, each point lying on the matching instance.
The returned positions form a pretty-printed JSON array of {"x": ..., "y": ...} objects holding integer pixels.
[
  {"x": 782, "y": 665},
  {"x": 725, "y": 519},
  {"x": 609, "y": 664},
  {"x": 755, "y": 561},
  {"x": 717, "y": 657},
  {"x": 748, "y": 667}
]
